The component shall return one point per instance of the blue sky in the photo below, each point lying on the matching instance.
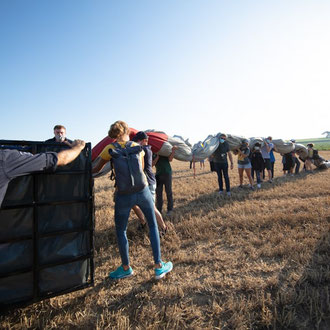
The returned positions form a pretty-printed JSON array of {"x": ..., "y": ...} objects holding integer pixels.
[{"x": 186, "y": 67}]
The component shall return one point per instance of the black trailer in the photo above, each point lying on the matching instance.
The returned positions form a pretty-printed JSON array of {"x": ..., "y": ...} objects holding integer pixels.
[{"x": 46, "y": 230}]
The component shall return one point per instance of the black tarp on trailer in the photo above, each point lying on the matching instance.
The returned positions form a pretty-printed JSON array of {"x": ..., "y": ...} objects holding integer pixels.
[{"x": 46, "y": 230}]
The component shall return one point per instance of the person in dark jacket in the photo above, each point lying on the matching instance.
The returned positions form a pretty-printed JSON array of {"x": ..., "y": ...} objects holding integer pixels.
[
  {"x": 164, "y": 179},
  {"x": 220, "y": 163},
  {"x": 288, "y": 163},
  {"x": 257, "y": 163},
  {"x": 59, "y": 135},
  {"x": 142, "y": 139}
]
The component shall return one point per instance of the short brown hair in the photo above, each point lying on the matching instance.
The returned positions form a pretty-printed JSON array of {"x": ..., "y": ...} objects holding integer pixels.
[
  {"x": 118, "y": 129},
  {"x": 59, "y": 127}
]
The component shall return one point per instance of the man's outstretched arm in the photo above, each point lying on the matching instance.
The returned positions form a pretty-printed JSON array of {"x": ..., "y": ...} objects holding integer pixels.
[{"x": 65, "y": 157}]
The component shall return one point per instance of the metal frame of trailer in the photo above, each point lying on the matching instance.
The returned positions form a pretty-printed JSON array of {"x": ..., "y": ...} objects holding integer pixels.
[{"x": 47, "y": 230}]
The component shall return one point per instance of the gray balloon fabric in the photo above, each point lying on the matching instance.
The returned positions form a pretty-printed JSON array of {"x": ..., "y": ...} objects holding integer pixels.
[{"x": 204, "y": 149}]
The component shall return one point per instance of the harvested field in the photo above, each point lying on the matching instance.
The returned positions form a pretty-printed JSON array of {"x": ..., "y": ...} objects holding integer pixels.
[{"x": 257, "y": 260}]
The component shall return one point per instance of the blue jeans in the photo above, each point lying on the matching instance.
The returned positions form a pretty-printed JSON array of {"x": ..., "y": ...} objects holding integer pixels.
[
  {"x": 258, "y": 172},
  {"x": 222, "y": 168},
  {"x": 123, "y": 205}
]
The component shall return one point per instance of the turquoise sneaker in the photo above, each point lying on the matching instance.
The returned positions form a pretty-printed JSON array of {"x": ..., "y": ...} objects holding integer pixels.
[
  {"x": 166, "y": 268},
  {"x": 121, "y": 273}
]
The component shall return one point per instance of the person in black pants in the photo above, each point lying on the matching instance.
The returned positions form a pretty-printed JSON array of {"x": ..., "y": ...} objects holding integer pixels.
[
  {"x": 164, "y": 178},
  {"x": 257, "y": 163},
  {"x": 220, "y": 163}
]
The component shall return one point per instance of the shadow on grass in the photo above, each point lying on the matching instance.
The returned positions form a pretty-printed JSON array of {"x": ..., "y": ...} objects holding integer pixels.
[
  {"x": 202, "y": 203},
  {"x": 130, "y": 302},
  {"x": 304, "y": 306},
  {"x": 307, "y": 304},
  {"x": 107, "y": 239}
]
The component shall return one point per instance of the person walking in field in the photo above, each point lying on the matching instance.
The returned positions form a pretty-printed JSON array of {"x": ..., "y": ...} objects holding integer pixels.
[
  {"x": 244, "y": 163},
  {"x": 272, "y": 163},
  {"x": 142, "y": 139},
  {"x": 164, "y": 179},
  {"x": 311, "y": 155},
  {"x": 265, "y": 151},
  {"x": 257, "y": 163},
  {"x": 288, "y": 163},
  {"x": 131, "y": 189},
  {"x": 220, "y": 163}
]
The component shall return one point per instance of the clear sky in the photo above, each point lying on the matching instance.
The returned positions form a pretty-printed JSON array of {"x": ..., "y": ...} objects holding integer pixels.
[{"x": 186, "y": 67}]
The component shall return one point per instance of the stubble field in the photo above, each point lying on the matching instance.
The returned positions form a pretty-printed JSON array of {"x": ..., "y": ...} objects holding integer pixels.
[{"x": 257, "y": 260}]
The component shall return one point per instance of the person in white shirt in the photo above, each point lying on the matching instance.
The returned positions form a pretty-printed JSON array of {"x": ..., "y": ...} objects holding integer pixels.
[{"x": 265, "y": 151}]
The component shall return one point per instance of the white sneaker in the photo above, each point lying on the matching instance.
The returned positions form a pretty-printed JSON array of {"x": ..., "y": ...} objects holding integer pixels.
[
  {"x": 259, "y": 185},
  {"x": 228, "y": 193},
  {"x": 220, "y": 192}
]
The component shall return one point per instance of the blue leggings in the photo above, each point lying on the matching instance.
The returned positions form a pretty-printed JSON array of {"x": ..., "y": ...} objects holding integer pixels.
[{"x": 123, "y": 206}]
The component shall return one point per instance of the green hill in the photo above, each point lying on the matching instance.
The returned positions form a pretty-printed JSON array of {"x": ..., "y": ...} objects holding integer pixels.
[{"x": 319, "y": 143}]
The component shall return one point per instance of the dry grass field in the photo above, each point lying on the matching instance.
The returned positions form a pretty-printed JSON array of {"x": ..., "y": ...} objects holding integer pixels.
[{"x": 257, "y": 260}]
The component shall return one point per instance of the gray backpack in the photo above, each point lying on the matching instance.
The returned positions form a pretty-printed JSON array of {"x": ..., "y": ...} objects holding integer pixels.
[{"x": 127, "y": 168}]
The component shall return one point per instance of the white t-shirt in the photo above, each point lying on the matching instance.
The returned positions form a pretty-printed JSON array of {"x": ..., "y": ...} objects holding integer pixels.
[{"x": 264, "y": 152}]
